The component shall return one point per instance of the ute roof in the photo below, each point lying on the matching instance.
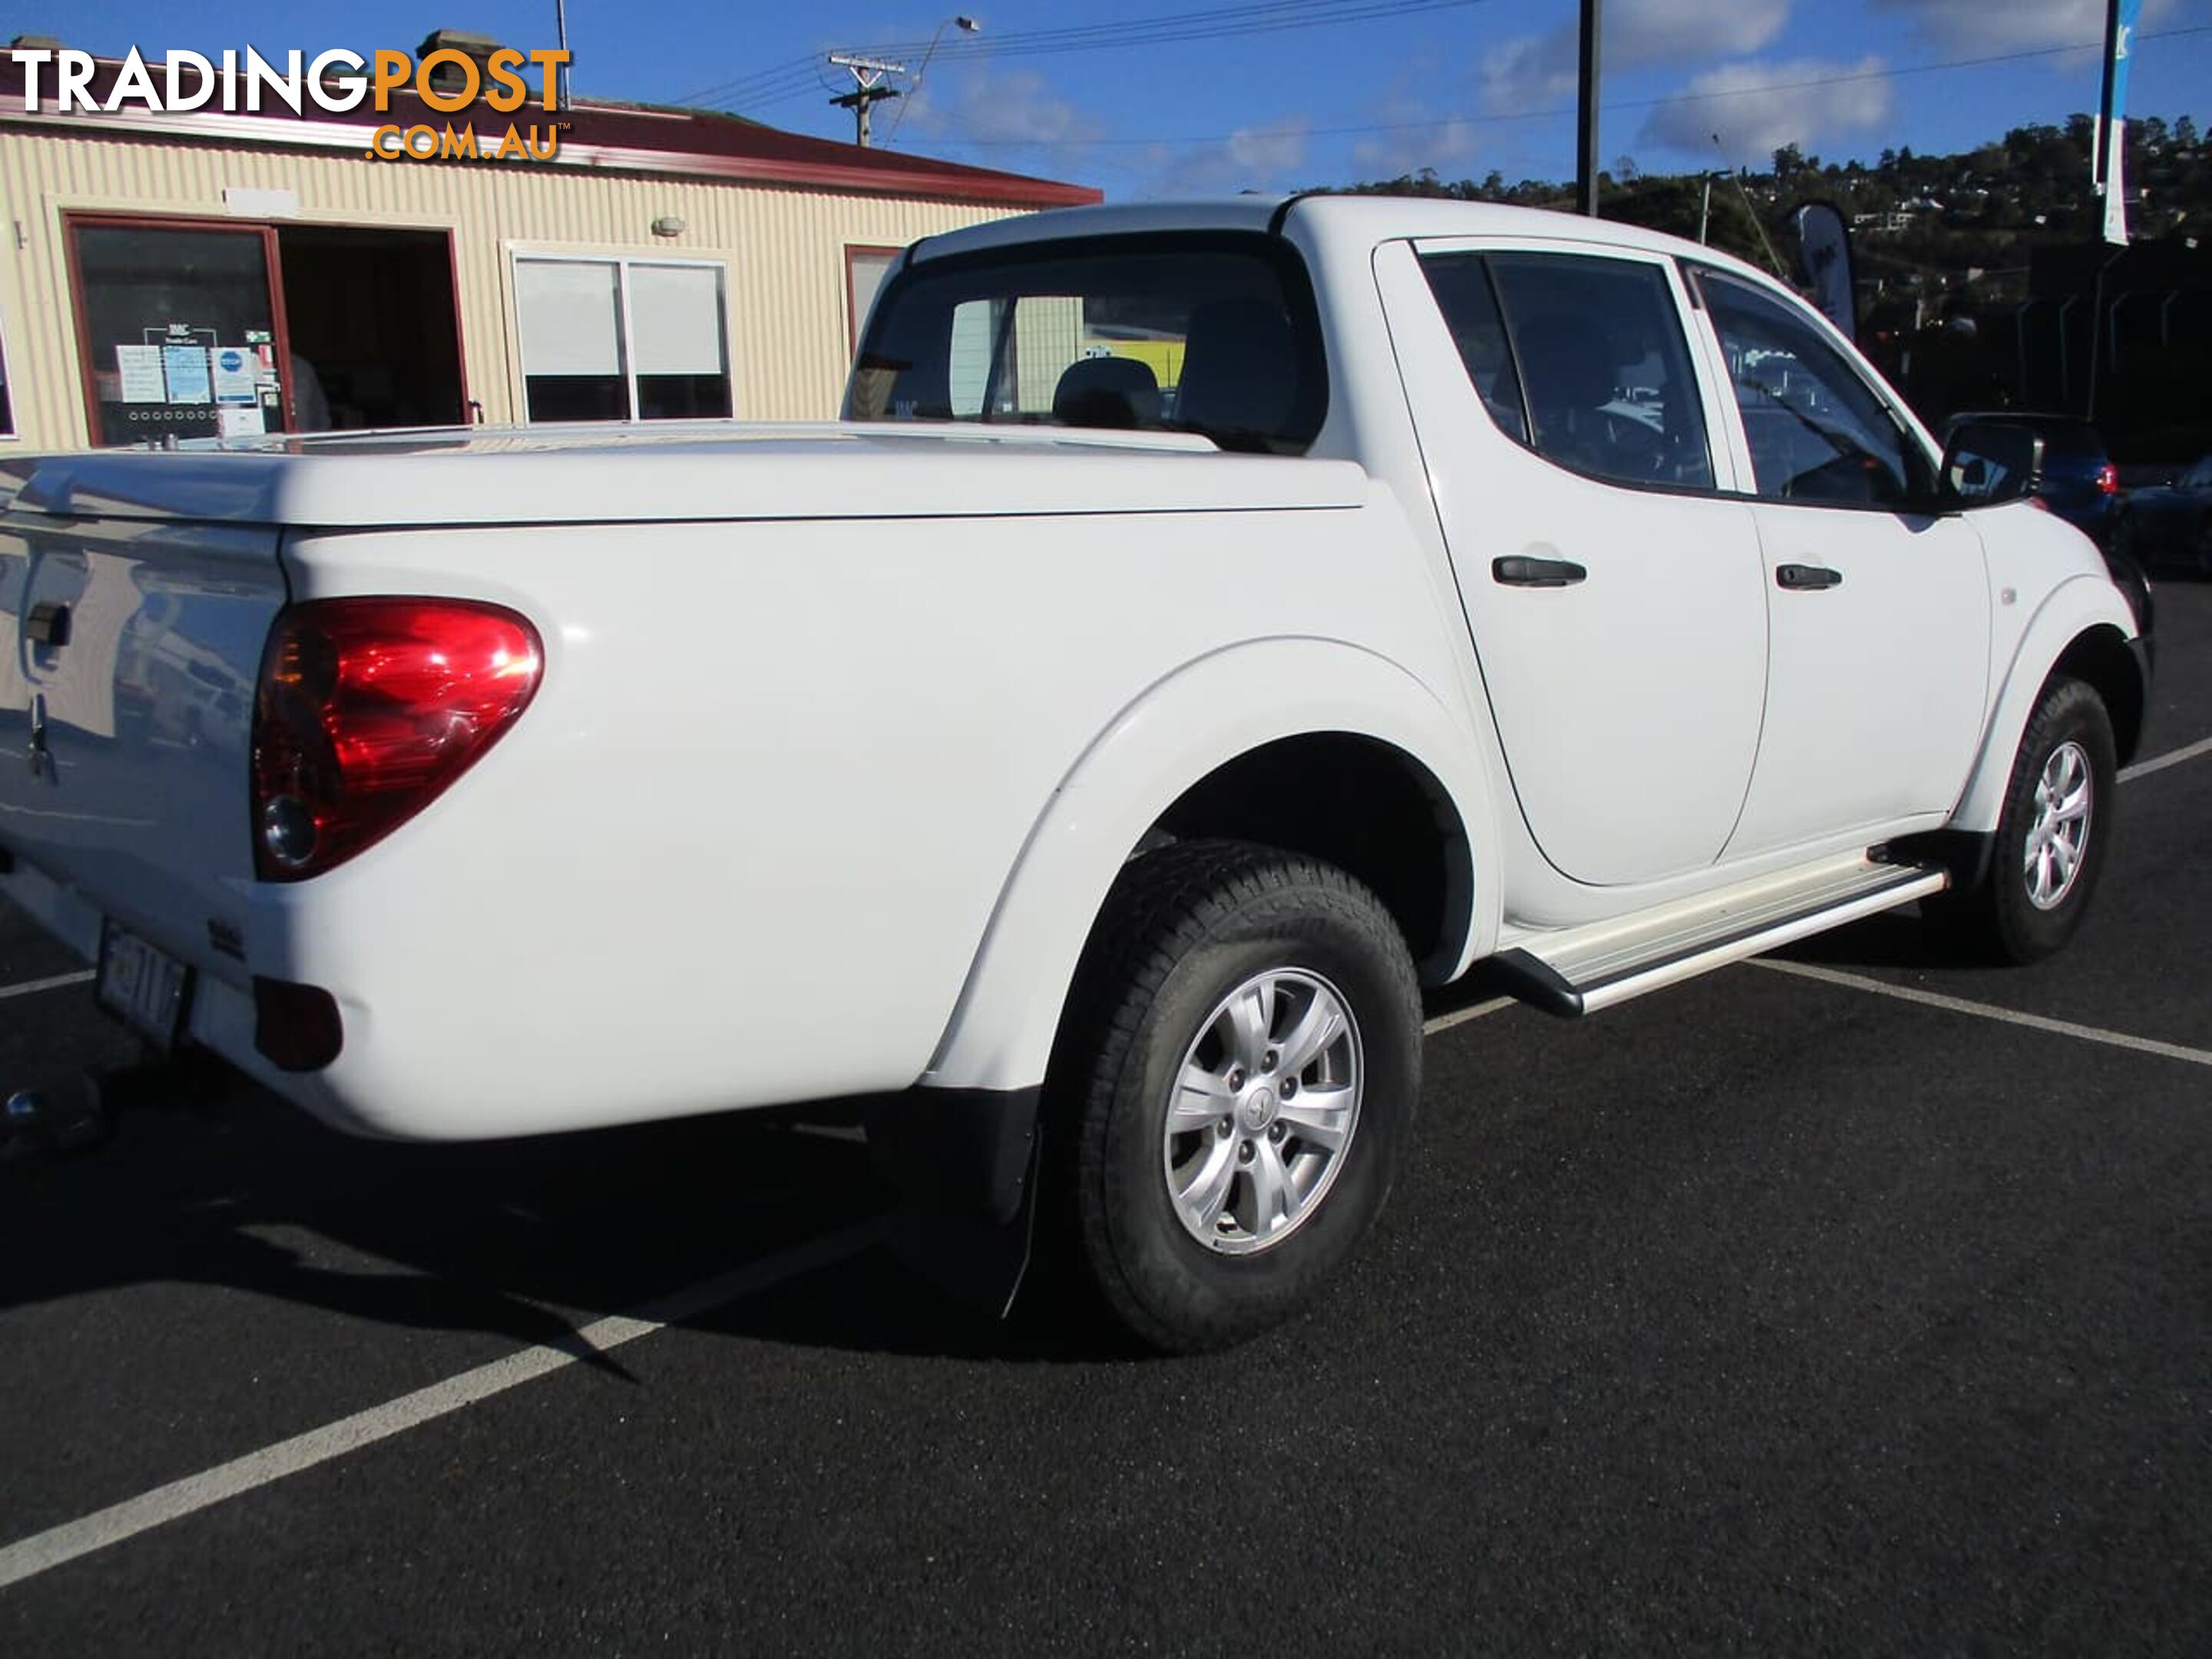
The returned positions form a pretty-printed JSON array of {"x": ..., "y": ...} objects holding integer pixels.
[{"x": 1369, "y": 219}]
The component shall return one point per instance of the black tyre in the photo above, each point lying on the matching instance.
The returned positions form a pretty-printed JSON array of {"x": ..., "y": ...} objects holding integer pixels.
[
  {"x": 2051, "y": 836},
  {"x": 1234, "y": 1085}
]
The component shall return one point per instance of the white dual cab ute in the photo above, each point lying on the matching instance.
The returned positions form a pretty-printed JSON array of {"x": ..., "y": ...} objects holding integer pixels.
[{"x": 1210, "y": 625}]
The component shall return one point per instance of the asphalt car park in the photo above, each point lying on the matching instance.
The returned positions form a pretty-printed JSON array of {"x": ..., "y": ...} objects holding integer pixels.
[{"x": 1857, "y": 1302}]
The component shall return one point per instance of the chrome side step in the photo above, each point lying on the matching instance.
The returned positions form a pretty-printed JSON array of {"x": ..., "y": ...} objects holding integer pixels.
[{"x": 1579, "y": 971}]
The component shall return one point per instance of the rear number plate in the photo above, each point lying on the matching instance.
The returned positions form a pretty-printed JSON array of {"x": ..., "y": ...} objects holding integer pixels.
[{"x": 140, "y": 986}]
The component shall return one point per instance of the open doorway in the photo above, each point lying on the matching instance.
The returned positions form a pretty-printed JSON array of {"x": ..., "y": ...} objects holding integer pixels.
[{"x": 373, "y": 337}]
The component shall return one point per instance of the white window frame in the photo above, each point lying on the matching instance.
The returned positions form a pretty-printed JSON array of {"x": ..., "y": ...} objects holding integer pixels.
[{"x": 622, "y": 262}]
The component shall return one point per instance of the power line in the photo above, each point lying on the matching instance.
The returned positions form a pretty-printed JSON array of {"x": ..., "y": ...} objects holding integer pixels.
[
  {"x": 1556, "y": 113},
  {"x": 798, "y": 76},
  {"x": 1268, "y": 16}
]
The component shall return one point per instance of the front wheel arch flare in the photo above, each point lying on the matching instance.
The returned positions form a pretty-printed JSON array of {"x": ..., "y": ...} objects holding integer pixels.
[
  {"x": 2100, "y": 660},
  {"x": 2084, "y": 608}
]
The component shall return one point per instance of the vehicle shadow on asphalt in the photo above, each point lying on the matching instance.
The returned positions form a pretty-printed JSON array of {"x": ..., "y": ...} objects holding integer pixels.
[
  {"x": 1896, "y": 939},
  {"x": 525, "y": 1240}
]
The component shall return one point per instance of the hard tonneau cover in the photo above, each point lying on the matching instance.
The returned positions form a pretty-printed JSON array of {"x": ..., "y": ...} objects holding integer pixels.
[{"x": 668, "y": 472}]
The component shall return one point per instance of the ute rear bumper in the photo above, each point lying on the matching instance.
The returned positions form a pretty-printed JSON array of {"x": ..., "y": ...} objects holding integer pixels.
[{"x": 221, "y": 1015}]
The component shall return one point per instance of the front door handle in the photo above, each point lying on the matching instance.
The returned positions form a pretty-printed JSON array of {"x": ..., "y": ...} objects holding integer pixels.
[
  {"x": 1521, "y": 571},
  {"x": 1802, "y": 578}
]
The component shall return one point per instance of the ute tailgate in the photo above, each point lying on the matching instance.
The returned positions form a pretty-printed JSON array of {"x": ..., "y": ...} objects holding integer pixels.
[{"x": 129, "y": 646}]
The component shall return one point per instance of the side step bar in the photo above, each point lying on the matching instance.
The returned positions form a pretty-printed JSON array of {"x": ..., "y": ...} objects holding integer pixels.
[{"x": 1580, "y": 970}]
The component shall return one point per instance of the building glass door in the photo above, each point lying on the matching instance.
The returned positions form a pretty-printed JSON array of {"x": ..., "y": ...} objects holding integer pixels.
[{"x": 181, "y": 331}]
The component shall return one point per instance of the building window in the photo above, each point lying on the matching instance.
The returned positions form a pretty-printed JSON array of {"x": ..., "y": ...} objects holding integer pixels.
[
  {"x": 621, "y": 340},
  {"x": 865, "y": 271},
  {"x": 7, "y": 401}
]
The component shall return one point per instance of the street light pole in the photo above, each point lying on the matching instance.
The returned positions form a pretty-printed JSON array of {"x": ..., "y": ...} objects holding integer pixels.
[
  {"x": 1586, "y": 141},
  {"x": 967, "y": 26}
]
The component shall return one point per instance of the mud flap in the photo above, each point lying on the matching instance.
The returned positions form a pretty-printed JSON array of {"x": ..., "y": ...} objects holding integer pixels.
[{"x": 964, "y": 1162}]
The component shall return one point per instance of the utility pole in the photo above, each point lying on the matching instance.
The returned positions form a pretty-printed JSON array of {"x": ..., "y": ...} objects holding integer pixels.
[
  {"x": 1705, "y": 209},
  {"x": 1586, "y": 143},
  {"x": 561, "y": 31},
  {"x": 868, "y": 89}
]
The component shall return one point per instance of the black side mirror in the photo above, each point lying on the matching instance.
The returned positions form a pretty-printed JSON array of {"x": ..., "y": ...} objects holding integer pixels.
[{"x": 1991, "y": 461}]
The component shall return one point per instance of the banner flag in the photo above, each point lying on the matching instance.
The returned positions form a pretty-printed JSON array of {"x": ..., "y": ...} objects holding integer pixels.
[
  {"x": 2113, "y": 130},
  {"x": 1824, "y": 264}
]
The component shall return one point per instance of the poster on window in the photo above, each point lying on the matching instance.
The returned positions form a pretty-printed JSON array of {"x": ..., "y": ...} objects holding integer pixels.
[
  {"x": 236, "y": 377},
  {"x": 138, "y": 374},
  {"x": 185, "y": 367}
]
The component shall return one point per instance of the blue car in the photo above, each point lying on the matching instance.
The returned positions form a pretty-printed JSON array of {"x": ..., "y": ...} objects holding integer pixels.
[{"x": 2169, "y": 526}]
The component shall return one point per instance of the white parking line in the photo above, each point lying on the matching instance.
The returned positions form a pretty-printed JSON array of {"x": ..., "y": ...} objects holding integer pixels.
[
  {"x": 1461, "y": 1016},
  {"x": 30, "y": 986},
  {"x": 2158, "y": 763},
  {"x": 42, "y": 1551},
  {"x": 1988, "y": 1010}
]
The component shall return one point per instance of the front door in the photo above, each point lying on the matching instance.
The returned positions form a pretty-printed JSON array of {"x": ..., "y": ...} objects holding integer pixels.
[
  {"x": 1879, "y": 616},
  {"x": 1613, "y": 591}
]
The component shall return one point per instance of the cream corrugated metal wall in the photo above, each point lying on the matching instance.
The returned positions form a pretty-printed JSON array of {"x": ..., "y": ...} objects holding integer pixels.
[{"x": 783, "y": 251}]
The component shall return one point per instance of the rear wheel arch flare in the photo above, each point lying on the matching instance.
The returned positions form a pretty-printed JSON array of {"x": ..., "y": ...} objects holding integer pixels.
[{"x": 1356, "y": 802}]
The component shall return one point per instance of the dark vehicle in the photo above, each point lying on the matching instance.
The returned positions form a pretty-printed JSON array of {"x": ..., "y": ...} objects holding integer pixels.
[
  {"x": 2079, "y": 482},
  {"x": 2171, "y": 525}
]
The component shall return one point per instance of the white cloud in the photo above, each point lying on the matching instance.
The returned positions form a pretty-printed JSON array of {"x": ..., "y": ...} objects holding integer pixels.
[
  {"x": 1756, "y": 108},
  {"x": 1416, "y": 137},
  {"x": 996, "y": 107},
  {"x": 2009, "y": 24},
  {"x": 1535, "y": 70},
  {"x": 1263, "y": 158}
]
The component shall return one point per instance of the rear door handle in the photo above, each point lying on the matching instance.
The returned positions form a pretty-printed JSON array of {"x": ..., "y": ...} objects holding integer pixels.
[
  {"x": 1800, "y": 578},
  {"x": 1521, "y": 571}
]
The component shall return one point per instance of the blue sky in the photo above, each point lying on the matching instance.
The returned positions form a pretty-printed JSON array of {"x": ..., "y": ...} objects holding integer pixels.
[{"x": 1159, "y": 98}]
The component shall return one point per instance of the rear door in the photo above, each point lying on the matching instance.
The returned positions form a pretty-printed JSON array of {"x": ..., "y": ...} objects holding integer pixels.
[
  {"x": 1612, "y": 588},
  {"x": 1878, "y": 616}
]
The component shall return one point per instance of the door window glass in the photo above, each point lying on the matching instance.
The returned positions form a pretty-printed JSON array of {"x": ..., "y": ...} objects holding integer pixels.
[
  {"x": 1604, "y": 368},
  {"x": 177, "y": 332},
  {"x": 1816, "y": 430},
  {"x": 1461, "y": 285}
]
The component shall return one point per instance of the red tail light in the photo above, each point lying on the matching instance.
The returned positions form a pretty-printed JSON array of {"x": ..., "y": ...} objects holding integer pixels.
[
  {"x": 2108, "y": 479},
  {"x": 368, "y": 710}
]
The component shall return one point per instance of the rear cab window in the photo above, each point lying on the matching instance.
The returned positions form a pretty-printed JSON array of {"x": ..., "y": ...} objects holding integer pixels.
[{"x": 1215, "y": 333}]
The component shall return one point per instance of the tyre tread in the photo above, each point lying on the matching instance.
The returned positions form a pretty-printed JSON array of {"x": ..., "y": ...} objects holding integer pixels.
[{"x": 1167, "y": 904}]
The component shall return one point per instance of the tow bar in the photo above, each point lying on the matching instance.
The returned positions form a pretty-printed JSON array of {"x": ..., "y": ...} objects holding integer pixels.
[{"x": 75, "y": 1111}]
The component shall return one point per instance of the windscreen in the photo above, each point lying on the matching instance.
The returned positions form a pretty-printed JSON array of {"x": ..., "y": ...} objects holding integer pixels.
[{"x": 1212, "y": 334}]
